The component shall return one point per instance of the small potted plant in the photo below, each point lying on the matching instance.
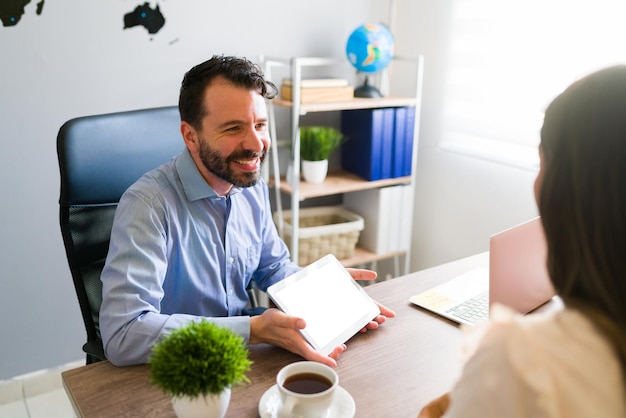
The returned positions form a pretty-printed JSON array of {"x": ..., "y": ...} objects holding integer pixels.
[
  {"x": 197, "y": 365},
  {"x": 316, "y": 145}
]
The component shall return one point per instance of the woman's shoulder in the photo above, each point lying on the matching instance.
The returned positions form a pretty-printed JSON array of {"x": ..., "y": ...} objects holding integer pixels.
[
  {"x": 545, "y": 334},
  {"x": 558, "y": 358}
]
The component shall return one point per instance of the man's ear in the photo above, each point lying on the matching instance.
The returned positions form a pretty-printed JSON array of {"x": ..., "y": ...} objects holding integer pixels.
[{"x": 190, "y": 136}]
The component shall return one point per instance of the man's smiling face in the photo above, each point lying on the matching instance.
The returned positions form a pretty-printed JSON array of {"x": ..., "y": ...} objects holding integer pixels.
[{"x": 233, "y": 139}]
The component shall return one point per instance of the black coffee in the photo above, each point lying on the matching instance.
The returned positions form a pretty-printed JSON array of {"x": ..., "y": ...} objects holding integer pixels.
[{"x": 307, "y": 383}]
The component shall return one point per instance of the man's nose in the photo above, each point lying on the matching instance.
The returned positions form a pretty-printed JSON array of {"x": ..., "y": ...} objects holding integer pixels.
[{"x": 256, "y": 141}]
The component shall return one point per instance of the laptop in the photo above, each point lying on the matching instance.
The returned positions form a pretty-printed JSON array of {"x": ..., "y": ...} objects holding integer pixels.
[{"x": 516, "y": 277}]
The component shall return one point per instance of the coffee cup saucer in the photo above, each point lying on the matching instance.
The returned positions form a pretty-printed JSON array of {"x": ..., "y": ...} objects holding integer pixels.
[{"x": 343, "y": 405}]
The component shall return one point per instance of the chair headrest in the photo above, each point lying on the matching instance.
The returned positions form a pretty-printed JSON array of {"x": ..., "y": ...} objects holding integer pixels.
[{"x": 100, "y": 156}]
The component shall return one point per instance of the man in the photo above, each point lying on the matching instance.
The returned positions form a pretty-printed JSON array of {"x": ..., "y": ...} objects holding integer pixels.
[{"x": 190, "y": 235}]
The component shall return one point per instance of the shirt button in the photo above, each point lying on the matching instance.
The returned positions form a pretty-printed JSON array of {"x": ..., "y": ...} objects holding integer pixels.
[{"x": 231, "y": 260}]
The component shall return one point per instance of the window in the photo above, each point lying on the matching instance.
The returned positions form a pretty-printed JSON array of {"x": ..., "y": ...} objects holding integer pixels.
[{"x": 509, "y": 59}]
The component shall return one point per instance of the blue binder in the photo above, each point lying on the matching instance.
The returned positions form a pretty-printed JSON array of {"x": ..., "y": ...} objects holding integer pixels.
[
  {"x": 368, "y": 150},
  {"x": 399, "y": 142},
  {"x": 387, "y": 144},
  {"x": 408, "y": 141}
]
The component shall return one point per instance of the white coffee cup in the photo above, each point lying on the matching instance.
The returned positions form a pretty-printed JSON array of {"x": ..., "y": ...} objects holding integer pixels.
[{"x": 307, "y": 389}]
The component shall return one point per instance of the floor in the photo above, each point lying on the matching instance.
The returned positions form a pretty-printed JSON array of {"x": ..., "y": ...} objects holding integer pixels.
[{"x": 37, "y": 395}]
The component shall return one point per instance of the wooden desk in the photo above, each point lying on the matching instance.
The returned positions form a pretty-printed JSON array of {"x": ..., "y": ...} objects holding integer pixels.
[{"x": 390, "y": 372}]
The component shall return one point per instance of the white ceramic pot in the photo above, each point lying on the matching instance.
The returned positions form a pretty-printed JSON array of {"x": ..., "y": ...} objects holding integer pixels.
[
  {"x": 314, "y": 171},
  {"x": 210, "y": 406}
]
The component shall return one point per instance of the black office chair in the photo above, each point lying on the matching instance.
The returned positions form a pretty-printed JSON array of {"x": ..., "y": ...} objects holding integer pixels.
[{"x": 100, "y": 156}]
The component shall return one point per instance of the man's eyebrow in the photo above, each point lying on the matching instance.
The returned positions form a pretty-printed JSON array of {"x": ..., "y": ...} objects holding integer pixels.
[{"x": 230, "y": 123}]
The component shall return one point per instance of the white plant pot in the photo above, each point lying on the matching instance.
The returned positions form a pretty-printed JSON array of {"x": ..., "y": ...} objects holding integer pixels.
[
  {"x": 314, "y": 171},
  {"x": 210, "y": 406}
]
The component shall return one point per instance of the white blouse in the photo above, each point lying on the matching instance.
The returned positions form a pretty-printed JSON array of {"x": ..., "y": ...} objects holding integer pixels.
[{"x": 541, "y": 365}]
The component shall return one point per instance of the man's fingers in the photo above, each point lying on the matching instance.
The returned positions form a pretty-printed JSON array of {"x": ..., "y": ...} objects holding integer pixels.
[{"x": 362, "y": 274}]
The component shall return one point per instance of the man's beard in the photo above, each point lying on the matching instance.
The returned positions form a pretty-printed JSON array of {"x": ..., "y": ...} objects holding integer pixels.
[{"x": 220, "y": 166}]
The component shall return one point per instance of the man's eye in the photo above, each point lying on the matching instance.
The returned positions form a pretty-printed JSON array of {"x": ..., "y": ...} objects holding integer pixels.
[{"x": 261, "y": 125}]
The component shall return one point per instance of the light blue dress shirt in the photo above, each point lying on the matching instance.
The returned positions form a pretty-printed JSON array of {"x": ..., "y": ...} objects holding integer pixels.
[{"x": 179, "y": 252}]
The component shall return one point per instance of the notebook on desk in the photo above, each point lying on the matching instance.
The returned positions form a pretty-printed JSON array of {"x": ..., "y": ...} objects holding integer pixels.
[{"x": 516, "y": 277}]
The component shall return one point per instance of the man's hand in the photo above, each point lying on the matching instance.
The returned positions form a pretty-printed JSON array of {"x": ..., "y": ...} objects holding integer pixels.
[
  {"x": 384, "y": 314},
  {"x": 279, "y": 329},
  {"x": 364, "y": 274},
  {"x": 436, "y": 408},
  {"x": 282, "y": 330}
]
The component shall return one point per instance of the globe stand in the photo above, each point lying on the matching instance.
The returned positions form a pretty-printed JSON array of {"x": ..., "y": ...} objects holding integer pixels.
[{"x": 367, "y": 91}]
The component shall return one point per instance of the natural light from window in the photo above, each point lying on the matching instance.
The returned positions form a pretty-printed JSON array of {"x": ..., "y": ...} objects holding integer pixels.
[{"x": 509, "y": 59}]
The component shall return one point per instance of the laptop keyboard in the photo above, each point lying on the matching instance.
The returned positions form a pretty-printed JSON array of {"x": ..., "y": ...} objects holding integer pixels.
[{"x": 473, "y": 309}]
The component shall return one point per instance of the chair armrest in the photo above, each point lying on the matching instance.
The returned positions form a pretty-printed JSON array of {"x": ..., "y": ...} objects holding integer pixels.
[{"x": 94, "y": 350}]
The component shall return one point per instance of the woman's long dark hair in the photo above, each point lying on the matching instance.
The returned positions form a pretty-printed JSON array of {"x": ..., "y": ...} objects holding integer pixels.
[{"x": 582, "y": 200}]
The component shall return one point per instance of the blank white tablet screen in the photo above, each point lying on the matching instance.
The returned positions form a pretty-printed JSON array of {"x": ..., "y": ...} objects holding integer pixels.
[{"x": 332, "y": 304}]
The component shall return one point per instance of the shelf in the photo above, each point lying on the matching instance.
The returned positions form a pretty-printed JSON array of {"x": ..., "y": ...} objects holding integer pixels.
[
  {"x": 362, "y": 256},
  {"x": 340, "y": 181},
  {"x": 356, "y": 103}
]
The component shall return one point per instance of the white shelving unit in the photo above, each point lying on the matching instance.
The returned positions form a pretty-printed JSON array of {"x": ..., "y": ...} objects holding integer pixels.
[{"x": 337, "y": 181}]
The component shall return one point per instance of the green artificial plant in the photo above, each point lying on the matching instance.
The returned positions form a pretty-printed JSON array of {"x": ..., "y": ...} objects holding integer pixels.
[
  {"x": 318, "y": 142},
  {"x": 198, "y": 359}
]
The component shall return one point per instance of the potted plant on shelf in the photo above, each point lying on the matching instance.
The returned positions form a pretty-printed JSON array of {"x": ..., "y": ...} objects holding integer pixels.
[
  {"x": 316, "y": 145},
  {"x": 197, "y": 364}
]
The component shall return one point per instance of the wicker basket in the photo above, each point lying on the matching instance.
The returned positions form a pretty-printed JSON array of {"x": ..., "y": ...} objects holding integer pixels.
[{"x": 323, "y": 230}]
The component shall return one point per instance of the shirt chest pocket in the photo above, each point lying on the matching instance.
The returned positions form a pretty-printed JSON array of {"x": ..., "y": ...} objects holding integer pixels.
[{"x": 252, "y": 258}]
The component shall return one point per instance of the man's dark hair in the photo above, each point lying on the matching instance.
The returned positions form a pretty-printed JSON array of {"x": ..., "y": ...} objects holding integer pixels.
[{"x": 239, "y": 71}]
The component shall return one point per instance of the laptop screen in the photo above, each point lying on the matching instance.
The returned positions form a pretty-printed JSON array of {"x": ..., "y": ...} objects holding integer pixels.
[{"x": 518, "y": 275}]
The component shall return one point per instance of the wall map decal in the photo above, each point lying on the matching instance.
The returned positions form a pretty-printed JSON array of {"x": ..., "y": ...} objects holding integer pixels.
[{"x": 11, "y": 12}]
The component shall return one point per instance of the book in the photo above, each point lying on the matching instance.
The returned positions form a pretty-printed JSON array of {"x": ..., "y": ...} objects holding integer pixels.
[
  {"x": 374, "y": 206},
  {"x": 406, "y": 218},
  {"x": 387, "y": 143},
  {"x": 386, "y": 213},
  {"x": 369, "y": 148},
  {"x": 319, "y": 94},
  {"x": 319, "y": 82},
  {"x": 408, "y": 141},
  {"x": 394, "y": 219},
  {"x": 404, "y": 129},
  {"x": 362, "y": 153},
  {"x": 398, "y": 142},
  {"x": 400, "y": 218}
]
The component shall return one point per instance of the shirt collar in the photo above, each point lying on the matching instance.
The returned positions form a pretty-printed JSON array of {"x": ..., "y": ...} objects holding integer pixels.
[{"x": 194, "y": 185}]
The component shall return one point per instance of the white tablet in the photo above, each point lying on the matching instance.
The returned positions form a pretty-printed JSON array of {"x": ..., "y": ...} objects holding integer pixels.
[{"x": 334, "y": 306}]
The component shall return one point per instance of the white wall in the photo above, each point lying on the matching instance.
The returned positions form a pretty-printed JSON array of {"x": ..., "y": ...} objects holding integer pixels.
[
  {"x": 460, "y": 200},
  {"x": 75, "y": 59}
]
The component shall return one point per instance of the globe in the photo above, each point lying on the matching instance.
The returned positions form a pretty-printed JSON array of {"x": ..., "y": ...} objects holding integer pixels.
[{"x": 370, "y": 47}]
